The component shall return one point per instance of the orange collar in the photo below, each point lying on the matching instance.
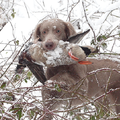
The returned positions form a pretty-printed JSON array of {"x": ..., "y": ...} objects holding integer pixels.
[{"x": 76, "y": 59}]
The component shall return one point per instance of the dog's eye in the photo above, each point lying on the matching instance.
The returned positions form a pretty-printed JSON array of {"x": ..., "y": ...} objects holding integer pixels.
[
  {"x": 58, "y": 31},
  {"x": 44, "y": 32}
]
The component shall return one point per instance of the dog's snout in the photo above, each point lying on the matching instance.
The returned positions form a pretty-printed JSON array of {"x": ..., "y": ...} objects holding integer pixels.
[{"x": 49, "y": 45}]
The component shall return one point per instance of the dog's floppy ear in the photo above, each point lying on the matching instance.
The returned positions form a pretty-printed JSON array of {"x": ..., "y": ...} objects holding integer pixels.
[
  {"x": 36, "y": 33},
  {"x": 69, "y": 30},
  {"x": 87, "y": 49}
]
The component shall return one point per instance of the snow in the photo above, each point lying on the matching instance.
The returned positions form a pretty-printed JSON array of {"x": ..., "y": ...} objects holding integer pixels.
[
  {"x": 109, "y": 7},
  {"x": 54, "y": 27},
  {"x": 56, "y": 57},
  {"x": 103, "y": 16},
  {"x": 22, "y": 25},
  {"x": 114, "y": 58}
]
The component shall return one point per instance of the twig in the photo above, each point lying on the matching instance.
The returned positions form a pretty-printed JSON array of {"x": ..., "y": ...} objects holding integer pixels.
[
  {"x": 26, "y": 9},
  {"x": 68, "y": 18},
  {"x": 16, "y": 56},
  {"x": 89, "y": 23}
]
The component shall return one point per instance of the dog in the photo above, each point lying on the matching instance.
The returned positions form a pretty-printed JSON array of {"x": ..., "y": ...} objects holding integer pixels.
[{"x": 76, "y": 82}]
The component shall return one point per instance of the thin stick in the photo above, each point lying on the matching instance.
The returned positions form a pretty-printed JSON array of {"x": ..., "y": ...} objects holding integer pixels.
[{"x": 89, "y": 23}]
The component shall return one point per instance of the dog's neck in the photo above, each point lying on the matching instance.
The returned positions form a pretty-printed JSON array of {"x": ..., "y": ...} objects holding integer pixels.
[{"x": 71, "y": 69}]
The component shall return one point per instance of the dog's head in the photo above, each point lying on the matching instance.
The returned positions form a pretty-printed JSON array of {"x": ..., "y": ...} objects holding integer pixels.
[{"x": 51, "y": 31}]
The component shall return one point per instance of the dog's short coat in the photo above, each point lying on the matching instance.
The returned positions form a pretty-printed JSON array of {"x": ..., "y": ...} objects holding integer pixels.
[{"x": 74, "y": 80}]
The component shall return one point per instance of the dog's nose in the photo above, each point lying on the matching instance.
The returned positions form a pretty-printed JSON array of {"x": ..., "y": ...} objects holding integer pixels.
[{"x": 49, "y": 45}]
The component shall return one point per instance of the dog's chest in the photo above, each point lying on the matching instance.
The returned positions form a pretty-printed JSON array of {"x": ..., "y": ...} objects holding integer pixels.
[{"x": 74, "y": 71}]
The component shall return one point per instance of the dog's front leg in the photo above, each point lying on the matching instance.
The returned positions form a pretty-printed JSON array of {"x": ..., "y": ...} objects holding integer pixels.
[
  {"x": 53, "y": 97},
  {"x": 50, "y": 102},
  {"x": 53, "y": 93}
]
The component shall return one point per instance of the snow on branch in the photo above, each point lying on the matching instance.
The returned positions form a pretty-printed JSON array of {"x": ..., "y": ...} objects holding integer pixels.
[{"x": 20, "y": 95}]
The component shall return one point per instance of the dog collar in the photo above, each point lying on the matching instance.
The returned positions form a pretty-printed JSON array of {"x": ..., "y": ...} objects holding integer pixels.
[{"x": 76, "y": 59}]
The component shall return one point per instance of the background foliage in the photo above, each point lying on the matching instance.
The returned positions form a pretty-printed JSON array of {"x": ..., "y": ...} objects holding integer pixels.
[{"x": 20, "y": 95}]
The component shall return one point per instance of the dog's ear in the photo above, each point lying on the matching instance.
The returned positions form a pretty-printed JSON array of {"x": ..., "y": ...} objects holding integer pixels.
[
  {"x": 36, "y": 33},
  {"x": 87, "y": 49},
  {"x": 69, "y": 30}
]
